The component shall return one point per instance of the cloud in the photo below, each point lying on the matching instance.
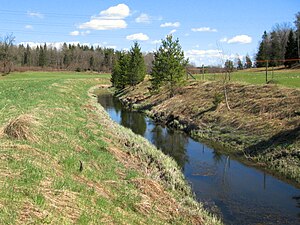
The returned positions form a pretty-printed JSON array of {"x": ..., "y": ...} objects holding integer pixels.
[
  {"x": 35, "y": 14},
  {"x": 176, "y": 24},
  {"x": 28, "y": 27},
  {"x": 242, "y": 39},
  {"x": 156, "y": 42},
  {"x": 109, "y": 19},
  {"x": 225, "y": 39},
  {"x": 204, "y": 29},
  {"x": 120, "y": 11},
  {"x": 137, "y": 37},
  {"x": 208, "y": 57},
  {"x": 172, "y": 31},
  {"x": 143, "y": 18},
  {"x": 75, "y": 33}
]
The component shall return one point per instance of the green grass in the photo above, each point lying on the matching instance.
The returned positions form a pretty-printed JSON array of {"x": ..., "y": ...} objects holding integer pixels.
[
  {"x": 287, "y": 78},
  {"x": 40, "y": 181}
]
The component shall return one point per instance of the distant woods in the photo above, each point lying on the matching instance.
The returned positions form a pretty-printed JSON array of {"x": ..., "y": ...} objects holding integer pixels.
[
  {"x": 280, "y": 46},
  {"x": 66, "y": 57}
]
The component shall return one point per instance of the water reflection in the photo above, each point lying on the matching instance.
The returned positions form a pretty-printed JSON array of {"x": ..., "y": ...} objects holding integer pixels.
[
  {"x": 243, "y": 195},
  {"x": 171, "y": 143}
]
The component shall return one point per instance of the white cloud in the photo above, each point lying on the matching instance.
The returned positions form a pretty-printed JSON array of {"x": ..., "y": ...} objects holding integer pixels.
[
  {"x": 242, "y": 39},
  {"x": 208, "y": 57},
  {"x": 75, "y": 33},
  {"x": 28, "y": 27},
  {"x": 156, "y": 42},
  {"x": 143, "y": 18},
  {"x": 204, "y": 29},
  {"x": 120, "y": 11},
  {"x": 172, "y": 31},
  {"x": 138, "y": 37},
  {"x": 176, "y": 24},
  {"x": 35, "y": 14},
  {"x": 102, "y": 24},
  {"x": 112, "y": 18},
  {"x": 225, "y": 39}
]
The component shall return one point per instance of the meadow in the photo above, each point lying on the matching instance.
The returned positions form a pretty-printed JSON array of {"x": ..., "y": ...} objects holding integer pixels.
[
  {"x": 282, "y": 77},
  {"x": 62, "y": 163}
]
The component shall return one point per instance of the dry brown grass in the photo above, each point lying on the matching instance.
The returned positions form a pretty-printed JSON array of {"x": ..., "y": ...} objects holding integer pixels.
[{"x": 21, "y": 128}]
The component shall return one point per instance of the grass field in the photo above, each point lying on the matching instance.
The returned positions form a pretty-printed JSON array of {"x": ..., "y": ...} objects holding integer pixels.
[
  {"x": 288, "y": 78},
  {"x": 56, "y": 162}
]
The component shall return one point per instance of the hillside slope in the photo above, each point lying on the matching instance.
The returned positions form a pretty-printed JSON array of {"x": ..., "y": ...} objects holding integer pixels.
[{"x": 261, "y": 124}]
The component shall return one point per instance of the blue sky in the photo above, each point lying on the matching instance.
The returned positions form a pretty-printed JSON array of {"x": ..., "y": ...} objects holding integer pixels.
[{"x": 204, "y": 28}]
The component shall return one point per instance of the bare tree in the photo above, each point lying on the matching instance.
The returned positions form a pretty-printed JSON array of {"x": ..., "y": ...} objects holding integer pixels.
[{"x": 6, "y": 53}]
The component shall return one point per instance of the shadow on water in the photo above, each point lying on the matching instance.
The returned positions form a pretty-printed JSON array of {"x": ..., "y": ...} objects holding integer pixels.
[{"x": 238, "y": 193}]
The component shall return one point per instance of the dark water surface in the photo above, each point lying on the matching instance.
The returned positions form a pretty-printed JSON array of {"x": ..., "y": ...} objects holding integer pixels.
[{"x": 241, "y": 194}]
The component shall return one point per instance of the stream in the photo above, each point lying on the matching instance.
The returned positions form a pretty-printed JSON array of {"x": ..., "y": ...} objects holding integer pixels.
[{"x": 238, "y": 193}]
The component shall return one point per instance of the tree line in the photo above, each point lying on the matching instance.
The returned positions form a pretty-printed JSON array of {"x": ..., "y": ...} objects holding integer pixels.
[
  {"x": 73, "y": 57},
  {"x": 168, "y": 67},
  {"x": 280, "y": 46}
]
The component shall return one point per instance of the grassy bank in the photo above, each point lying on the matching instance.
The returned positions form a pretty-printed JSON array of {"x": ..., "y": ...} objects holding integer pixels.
[
  {"x": 262, "y": 125},
  {"x": 63, "y": 161}
]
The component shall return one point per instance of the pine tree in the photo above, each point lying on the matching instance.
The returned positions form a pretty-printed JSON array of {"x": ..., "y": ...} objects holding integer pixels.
[
  {"x": 239, "y": 64},
  {"x": 168, "y": 65},
  {"x": 291, "y": 49},
  {"x": 248, "y": 62},
  {"x": 137, "y": 66},
  {"x": 262, "y": 53},
  {"x": 120, "y": 71}
]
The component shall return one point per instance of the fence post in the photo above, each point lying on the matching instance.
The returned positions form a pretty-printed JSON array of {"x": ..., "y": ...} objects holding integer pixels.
[
  {"x": 267, "y": 71},
  {"x": 203, "y": 71}
]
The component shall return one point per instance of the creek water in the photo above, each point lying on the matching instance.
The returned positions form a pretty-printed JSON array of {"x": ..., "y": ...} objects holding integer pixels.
[{"x": 238, "y": 193}]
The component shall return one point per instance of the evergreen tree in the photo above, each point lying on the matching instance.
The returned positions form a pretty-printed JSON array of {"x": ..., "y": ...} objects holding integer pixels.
[
  {"x": 116, "y": 75},
  {"x": 239, "y": 64},
  {"x": 262, "y": 53},
  {"x": 248, "y": 62},
  {"x": 137, "y": 66},
  {"x": 168, "y": 65},
  {"x": 297, "y": 24},
  {"x": 120, "y": 71},
  {"x": 229, "y": 65},
  {"x": 291, "y": 49}
]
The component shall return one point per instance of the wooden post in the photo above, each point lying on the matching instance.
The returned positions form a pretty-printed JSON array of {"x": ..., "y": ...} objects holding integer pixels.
[
  {"x": 272, "y": 72},
  {"x": 267, "y": 71},
  {"x": 203, "y": 71}
]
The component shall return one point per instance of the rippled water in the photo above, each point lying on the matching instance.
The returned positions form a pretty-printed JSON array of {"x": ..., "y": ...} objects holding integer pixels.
[{"x": 240, "y": 194}]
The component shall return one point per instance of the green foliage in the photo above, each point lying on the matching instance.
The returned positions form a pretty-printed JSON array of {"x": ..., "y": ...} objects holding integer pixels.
[
  {"x": 248, "y": 62},
  {"x": 229, "y": 65},
  {"x": 168, "y": 65},
  {"x": 128, "y": 68},
  {"x": 291, "y": 49},
  {"x": 262, "y": 53},
  {"x": 137, "y": 68}
]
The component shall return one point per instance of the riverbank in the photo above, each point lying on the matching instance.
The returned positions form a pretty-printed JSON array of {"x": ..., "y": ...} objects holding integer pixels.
[
  {"x": 261, "y": 124},
  {"x": 63, "y": 161}
]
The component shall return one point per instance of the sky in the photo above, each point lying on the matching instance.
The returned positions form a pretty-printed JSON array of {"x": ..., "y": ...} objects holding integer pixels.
[{"x": 209, "y": 31}]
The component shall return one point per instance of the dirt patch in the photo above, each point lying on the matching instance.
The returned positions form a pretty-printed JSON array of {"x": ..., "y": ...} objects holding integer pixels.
[{"x": 30, "y": 213}]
